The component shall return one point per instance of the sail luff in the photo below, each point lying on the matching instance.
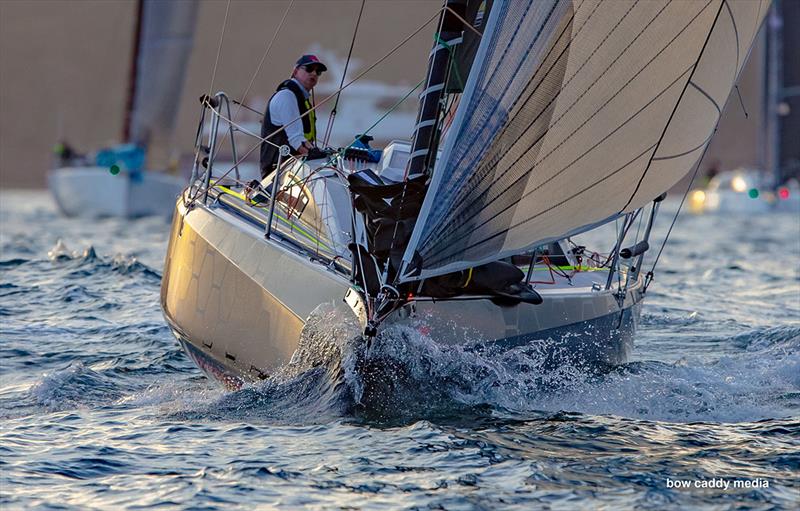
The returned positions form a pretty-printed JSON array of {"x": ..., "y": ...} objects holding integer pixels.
[{"x": 469, "y": 89}]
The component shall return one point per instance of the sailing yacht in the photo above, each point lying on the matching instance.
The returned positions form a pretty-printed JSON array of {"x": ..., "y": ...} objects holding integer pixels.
[
  {"x": 114, "y": 182},
  {"x": 538, "y": 121}
]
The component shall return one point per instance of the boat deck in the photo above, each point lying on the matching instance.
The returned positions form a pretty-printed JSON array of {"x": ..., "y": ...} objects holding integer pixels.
[
  {"x": 287, "y": 227},
  {"x": 297, "y": 234}
]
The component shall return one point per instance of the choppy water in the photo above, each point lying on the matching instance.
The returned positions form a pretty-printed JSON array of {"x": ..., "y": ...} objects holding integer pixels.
[{"x": 99, "y": 408}]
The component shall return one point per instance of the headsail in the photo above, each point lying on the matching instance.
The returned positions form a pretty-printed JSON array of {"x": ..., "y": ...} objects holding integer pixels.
[{"x": 575, "y": 112}]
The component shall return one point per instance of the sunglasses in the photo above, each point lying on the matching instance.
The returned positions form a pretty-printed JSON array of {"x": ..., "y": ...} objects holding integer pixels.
[{"x": 313, "y": 69}]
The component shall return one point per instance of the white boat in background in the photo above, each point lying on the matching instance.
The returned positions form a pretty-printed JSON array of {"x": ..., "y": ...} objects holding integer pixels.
[
  {"x": 572, "y": 117},
  {"x": 94, "y": 192},
  {"x": 745, "y": 192},
  {"x": 108, "y": 185},
  {"x": 734, "y": 191}
]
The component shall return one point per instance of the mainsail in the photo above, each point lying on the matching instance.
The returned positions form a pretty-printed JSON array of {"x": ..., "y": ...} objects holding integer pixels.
[
  {"x": 165, "y": 42},
  {"x": 576, "y": 112}
]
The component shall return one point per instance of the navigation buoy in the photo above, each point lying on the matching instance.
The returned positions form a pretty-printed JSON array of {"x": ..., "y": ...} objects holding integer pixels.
[{"x": 114, "y": 170}]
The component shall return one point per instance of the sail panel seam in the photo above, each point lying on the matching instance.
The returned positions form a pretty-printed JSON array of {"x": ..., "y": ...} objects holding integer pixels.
[
  {"x": 673, "y": 156},
  {"x": 475, "y": 227},
  {"x": 443, "y": 227},
  {"x": 707, "y": 95},
  {"x": 677, "y": 105},
  {"x": 735, "y": 30}
]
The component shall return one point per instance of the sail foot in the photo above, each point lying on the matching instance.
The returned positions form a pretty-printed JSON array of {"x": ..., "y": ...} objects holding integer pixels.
[{"x": 390, "y": 210}]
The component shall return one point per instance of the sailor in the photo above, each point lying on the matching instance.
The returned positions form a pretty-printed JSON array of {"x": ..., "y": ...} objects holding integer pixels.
[{"x": 291, "y": 100}]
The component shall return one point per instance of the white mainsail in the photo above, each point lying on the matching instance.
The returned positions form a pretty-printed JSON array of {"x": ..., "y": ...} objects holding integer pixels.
[
  {"x": 164, "y": 48},
  {"x": 575, "y": 112}
]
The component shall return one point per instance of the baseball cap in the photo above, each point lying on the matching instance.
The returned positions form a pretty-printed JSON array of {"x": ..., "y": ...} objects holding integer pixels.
[{"x": 307, "y": 60}]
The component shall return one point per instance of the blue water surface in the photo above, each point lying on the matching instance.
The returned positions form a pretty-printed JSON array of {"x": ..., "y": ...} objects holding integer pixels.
[{"x": 100, "y": 409}]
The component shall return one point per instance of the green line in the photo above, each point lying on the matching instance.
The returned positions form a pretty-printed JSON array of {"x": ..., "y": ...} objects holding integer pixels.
[
  {"x": 565, "y": 268},
  {"x": 293, "y": 226}
]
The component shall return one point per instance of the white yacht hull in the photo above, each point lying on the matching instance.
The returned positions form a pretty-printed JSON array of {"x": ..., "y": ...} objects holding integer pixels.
[
  {"x": 237, "y": 302},
  {"x": 93, "y": 192}
]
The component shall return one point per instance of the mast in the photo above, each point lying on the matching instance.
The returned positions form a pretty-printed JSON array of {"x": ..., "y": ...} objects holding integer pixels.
[
  {"x": 134, "y": 71},
  {"x": 773, "y": 96},
  {"x": 789, "y": 91},
  {"x": 163, "y": 50},
  {"x": 425, "y": 141}
]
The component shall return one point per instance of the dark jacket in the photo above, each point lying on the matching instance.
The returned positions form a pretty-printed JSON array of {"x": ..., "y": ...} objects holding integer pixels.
[{"x": 269, "y": 153}]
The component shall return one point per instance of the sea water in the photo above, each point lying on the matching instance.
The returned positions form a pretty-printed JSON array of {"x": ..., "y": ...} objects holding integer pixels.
[{"x": 99, "y": 408}]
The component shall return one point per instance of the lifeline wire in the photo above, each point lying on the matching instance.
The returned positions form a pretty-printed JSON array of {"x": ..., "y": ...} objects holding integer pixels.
[{"x": 680, "y": 206}]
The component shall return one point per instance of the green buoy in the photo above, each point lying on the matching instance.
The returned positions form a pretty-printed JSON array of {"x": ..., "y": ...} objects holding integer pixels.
[{"x": 114, "y": 170}]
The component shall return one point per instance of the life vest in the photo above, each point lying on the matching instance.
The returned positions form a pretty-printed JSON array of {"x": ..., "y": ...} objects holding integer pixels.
[{"x": 269, "y": 153}]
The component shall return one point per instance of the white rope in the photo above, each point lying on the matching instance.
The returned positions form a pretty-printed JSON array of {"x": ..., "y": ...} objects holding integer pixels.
[
  {"x": 358, "y": 77},
  {"x": 258, "y": 69},
  {"x": 264, "y": 139}
]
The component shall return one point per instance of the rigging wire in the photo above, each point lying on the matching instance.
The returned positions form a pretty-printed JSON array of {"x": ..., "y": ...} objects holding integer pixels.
[
  {"x": 219, "y": 48},
  {"x": 240, "y": 104},
  {"x": 360, "y": 75},
  {"x": 266, "y": 52},
  {"x": 651, "y": 273},
  {"x": 462, "y": 20},
  {"x": 329, "y": 128}
]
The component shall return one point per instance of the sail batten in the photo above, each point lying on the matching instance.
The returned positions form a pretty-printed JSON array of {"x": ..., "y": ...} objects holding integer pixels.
[{"x": 574, "y": 113}]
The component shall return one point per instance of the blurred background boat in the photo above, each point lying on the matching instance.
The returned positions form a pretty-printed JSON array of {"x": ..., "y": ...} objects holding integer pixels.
[
  {"x": 745, "y": 191},
  {"x": 114, "y": 180}
]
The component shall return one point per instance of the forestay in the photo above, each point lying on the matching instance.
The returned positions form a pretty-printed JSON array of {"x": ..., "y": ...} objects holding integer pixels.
[{"x": 574, "y": 113}]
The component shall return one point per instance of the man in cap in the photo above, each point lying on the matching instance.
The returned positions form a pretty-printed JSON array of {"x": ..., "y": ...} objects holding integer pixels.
[{"x": 291, "y": 100}]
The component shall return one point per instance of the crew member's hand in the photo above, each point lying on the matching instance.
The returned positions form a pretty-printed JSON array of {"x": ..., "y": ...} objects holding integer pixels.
[{"x": 304, "y": 147}]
